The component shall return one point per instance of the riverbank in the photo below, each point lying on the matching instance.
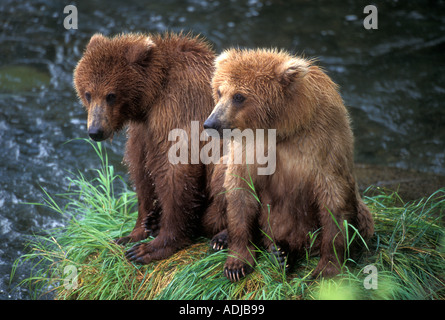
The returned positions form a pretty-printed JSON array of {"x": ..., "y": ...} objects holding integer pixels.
[
  {"x": 409, "y": 184},
  {"x": 80, "y": 260}
]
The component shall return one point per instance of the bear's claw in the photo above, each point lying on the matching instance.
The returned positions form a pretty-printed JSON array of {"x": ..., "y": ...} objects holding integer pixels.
[
  {"x": 219, "y": 241},
  {"x": 235, "y": 269},
  {"x": 236, "y": 274},
  {"x": 279, "y": 255},
  {"x": 150, "y": 224},
  {"x": 138, "y": 253},
  {"x": 131, "y": 253},
  {"x": 156, "y": 249}
]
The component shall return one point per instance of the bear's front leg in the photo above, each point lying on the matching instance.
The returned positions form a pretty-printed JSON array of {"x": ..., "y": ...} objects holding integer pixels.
[
  {"x": 242, "y": 209},
  {"x": 214, "y": 221},
  {"x": 149, "y": 208},
  {"x": 179, "y": 192},
  {"x": 149, "y": 211}
]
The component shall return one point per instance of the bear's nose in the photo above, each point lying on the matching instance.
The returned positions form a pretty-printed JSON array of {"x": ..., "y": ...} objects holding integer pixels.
[
  {"x": 211, "y": 123},
  {"x": 208, "y": 124},
  {"x": 96, "y": 133}
]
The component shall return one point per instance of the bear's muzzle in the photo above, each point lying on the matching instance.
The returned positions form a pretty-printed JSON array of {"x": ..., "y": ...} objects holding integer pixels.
[{"x": 98, "y": 125}]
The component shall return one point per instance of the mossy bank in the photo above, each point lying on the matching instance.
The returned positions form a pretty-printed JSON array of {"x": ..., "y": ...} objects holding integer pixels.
[{"x": 405, "y": 258}]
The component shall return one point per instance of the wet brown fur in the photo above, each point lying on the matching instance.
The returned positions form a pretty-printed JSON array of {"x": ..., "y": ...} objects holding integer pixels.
[
  {"x": 314, "y": 159},
  {"x": 160, "y": 83}
]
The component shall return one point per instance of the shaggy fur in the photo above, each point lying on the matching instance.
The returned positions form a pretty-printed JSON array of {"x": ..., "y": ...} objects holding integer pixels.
[
  {"x": 313, "y": 181},
  {"x": 153, "y": 84}
]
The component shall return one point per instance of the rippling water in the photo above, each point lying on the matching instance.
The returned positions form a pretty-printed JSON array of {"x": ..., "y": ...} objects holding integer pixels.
[{"x": 391, "y": 78}]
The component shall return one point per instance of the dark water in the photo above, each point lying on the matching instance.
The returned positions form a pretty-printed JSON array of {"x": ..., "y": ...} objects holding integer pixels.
[{"x": 392, "y": 78}]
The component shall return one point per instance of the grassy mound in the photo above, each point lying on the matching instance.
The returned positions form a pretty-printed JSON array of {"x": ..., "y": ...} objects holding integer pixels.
[{"x": 405, "y": 259}]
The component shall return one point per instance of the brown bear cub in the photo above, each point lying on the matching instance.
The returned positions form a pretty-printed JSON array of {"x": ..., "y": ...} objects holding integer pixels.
[
  {"x": 312, "y": 190},
  {"x": 153, "y": 84}
]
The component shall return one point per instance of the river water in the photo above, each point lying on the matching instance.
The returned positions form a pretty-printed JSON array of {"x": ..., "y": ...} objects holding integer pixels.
[{"x": 392, "y": 78}]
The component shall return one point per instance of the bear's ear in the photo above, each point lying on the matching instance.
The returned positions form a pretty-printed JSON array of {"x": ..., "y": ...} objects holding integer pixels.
[
  {"x": 222, "y": 58},
  {"x": 291, "y": 70},
  {"x": 140, "y": 51},
  {"x": 96, "y": 40}
]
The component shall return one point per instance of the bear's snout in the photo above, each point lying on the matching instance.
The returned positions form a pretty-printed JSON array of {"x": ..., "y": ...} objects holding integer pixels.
[
  {"x": 99, "y": 128},
  {"x": 217, "y": 120},
  {"x": 212, "y": 123},
  {"x": 96, "y": 133}
]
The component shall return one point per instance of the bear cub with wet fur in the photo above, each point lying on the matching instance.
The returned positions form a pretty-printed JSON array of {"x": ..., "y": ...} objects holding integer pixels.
[
  {"x": 153, "y": 84},
  {"x": 313, "y": 189}
]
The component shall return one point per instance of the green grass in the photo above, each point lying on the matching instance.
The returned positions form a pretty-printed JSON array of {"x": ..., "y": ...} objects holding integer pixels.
[{"x": 408, "y": 251}]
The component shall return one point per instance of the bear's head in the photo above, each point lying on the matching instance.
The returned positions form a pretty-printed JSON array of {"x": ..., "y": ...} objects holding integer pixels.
[
  {"x": 115, "y": 80},
  {"x": 258, "y": 89}
]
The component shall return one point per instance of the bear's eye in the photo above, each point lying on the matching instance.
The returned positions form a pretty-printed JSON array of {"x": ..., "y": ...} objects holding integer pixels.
[
  {"x": 218, "y": 92},
  {"x": 238, "y": 98},
  {"x": 88, "y": 96},
  {"x": 111, "y": 98}
]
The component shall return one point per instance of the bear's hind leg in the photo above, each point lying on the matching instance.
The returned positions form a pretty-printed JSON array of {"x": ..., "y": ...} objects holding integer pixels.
[
  {"x": 332, "y": 245},
  {"x": 365, "y": 222}
]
